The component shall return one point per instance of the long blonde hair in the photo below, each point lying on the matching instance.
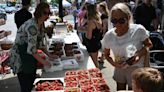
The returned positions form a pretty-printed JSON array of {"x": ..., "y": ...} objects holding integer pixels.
[
  {"x": 92, "y": 12},
  {"x": 104, "y": 6},
  {"x": 123, "y": 8}
]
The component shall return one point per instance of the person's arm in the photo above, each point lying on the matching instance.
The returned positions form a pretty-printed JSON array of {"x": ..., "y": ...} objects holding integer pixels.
[
  {"x": 38, "y": 58},
  {"x": 108, "y": 56},
  {"x": 50, "y": 56},
  {"x": 91, "y": 25},
  {"x": 144, "y": 52},
  {"x": 105, "y": 25},
  {"x": 32, "y": 45},
  {"x": 82, "y": 25},
  {"x": 155, "y": 24},
  {"x": 43, "y": 47},
  {"x": 155, "y": 19}
]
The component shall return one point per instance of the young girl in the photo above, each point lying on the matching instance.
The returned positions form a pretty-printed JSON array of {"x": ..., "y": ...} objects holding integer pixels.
[{"x": 147, "y": 80}]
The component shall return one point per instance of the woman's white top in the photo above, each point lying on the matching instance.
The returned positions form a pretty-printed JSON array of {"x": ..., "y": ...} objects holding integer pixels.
[{"x": 125, "y": 46}]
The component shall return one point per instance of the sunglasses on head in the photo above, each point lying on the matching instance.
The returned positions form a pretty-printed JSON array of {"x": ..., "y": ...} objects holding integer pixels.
[
  {"x": 47, "y": 13},
  {"x": 120, "y": 20}
]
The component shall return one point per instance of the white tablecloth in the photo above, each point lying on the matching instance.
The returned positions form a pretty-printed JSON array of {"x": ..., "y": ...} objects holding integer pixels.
[{"x": 86, "y": 64}]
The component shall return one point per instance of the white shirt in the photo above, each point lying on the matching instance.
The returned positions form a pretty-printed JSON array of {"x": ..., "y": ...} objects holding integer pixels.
[{"x": 125, "y": 46}]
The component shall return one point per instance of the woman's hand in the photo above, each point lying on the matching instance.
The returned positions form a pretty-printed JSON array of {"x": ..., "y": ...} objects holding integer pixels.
[
  {"x": 132, "y": 60},
  {"x": 2, "y": 21}
]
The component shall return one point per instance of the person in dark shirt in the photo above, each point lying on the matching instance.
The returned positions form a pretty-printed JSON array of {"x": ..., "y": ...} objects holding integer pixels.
[
  {"x": 23, "y": 14},
  {"x": 93, "y": 35},
  {"x": 145, "y": 15},
  {"x": 104, "y": 13}
]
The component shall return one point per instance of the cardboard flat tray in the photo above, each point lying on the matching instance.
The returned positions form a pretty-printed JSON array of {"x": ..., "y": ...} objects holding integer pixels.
[{"x": 48, "y": 79}]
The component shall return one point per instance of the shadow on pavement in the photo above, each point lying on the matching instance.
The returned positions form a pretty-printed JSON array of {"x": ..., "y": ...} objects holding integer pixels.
[{"x": 9, "y": 85}]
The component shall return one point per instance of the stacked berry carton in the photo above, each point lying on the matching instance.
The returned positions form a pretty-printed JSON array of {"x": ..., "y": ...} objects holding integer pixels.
[{"x": 86, "y": 80}]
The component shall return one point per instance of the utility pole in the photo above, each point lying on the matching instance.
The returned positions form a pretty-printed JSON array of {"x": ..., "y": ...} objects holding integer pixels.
[{"x": 61, "y": 10}]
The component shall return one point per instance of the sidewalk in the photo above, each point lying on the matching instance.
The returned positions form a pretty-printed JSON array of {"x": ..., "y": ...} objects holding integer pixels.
[{"x": 10, "y": 82}]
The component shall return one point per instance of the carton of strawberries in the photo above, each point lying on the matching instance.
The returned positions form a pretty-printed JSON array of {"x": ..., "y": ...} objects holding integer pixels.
[
  {"x": 86, "y": 80},
  {"x": 48, "y": 84},
  {"x": 74, "y": 81}
]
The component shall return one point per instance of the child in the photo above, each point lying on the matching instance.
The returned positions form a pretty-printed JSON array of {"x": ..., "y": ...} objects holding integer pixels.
[{"x": 146, "y": 80}]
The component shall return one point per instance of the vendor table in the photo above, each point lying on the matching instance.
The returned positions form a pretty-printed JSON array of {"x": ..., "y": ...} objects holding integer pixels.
[
  {"x": 85, "y": 78},
  {"x": 69, "y": 38}
]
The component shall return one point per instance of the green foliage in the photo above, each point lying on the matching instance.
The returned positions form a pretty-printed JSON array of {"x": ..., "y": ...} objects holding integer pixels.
[
  {"x": 9, "y": 3},
  {"x": 55, "y": 1}
]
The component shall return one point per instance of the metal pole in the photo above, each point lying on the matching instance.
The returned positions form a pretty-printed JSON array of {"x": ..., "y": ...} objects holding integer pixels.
[{"x": 61, "y": 10}]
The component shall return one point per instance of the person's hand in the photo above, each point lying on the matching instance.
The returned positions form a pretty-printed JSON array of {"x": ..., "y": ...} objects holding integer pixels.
[
  {"x": 132, "y": 60},
  {"x": 135, "y": 59},
  {"x": 2, "y": 21},
  {"x": 2, "y": 33}
]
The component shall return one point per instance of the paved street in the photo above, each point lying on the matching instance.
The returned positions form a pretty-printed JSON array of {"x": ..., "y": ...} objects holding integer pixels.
[{"x": 10, "y": 82}]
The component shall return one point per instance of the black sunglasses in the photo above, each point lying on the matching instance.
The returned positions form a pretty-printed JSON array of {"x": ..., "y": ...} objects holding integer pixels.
[
  {"x": 47, "y": 13},
  {"x": 120, "y": 20}
]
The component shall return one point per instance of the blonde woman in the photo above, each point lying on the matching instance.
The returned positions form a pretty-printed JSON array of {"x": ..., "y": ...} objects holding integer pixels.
[
  {"x": 103, "y": 9},
  {"x": 104, "y": 12},
  {"x": 126, "y": 40}
]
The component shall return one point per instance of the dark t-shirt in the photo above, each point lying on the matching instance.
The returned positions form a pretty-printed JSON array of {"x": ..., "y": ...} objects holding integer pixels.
[
  {"x": 144, "y": 15},
  {"x": 21, "y": 16},
  {"x": 93, "y": 44}
]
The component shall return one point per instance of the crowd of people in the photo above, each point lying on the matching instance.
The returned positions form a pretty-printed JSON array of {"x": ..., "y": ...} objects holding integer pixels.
[
  {"x": 120, "y": 34},
  {"x": 113, "y": 31}
]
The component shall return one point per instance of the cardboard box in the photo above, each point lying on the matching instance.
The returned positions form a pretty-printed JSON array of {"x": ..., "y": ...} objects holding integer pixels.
[{"x": 41, "y": 80}]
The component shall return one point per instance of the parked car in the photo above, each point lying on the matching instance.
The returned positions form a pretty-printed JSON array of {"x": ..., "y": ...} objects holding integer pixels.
[
  {"x": 3, "y": 14},
  {"x": 10, "y": 9}
]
